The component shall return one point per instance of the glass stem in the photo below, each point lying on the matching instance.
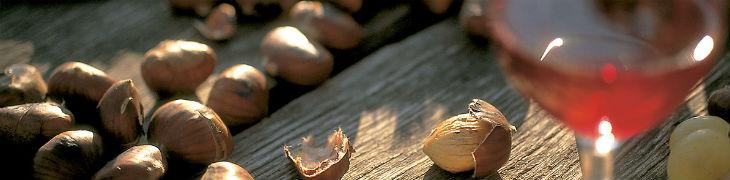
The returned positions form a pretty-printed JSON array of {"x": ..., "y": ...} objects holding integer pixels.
[{"x": 597, "y": 157}]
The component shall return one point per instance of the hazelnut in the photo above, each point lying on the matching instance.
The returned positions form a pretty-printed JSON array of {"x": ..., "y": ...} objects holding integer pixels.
[
  {"x": 25, "y": 128},
  {"x": 329, "y": 162},
  {"x": 293, "y": 57},
  {"x": 190, "y": 132},
  {"x": 240, "y": 96},
  {"x": 438, "y": 6},
  {"x": 69, "y": 155},
  {"x": 479, "y": 141},
  {"x": 719, "y": 103},
  {"x": 177, "y": 66},
  {"x": 473, "y": 17},
  {"x": 327, "y": 24},
  {"x": 138, "y": 162},
  {"x": 220, "y": 24},
  {"x": 349, "y": 5},
  {"x": 199, "y": 7},
  {"x": 121, "y": 115},
  {"x": 80, "y": 87},
  {"x": 225, "y": 170},
  {"x": 20, "y": 84}
]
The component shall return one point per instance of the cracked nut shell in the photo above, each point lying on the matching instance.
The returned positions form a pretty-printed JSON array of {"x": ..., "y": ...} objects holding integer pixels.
[
  {"x": 121, "y": 115},
  {"x": 190, "y": 132},
  {"x": 138, "y": 162},
  {"x": 239, "y": 96},
  {"x": 719, "y": 103},
  {"x": 295, "y": 58},
  {"x": 329, "y": 162},
  {"x": 69, "y": 155},
  {"x": 327, "y": 24},
  {"x": 177, "y": 66},
  {"x": 20, "y": 84},
  {"x": 225, "y": 170},
  {"x": 479, "y": 141}
]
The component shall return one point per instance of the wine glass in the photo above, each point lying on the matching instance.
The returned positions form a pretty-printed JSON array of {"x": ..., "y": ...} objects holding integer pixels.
[{"x": 608, "y": 69}]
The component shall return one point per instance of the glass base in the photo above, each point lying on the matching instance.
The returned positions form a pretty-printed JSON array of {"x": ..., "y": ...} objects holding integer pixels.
[{"x": 597, "y": 157}]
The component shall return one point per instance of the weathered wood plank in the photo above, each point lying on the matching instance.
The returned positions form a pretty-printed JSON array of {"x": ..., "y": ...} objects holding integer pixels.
[{"x": 388, "y": 103}]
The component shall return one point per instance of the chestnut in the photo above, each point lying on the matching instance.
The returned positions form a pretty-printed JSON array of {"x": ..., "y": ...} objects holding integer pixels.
[
  {"x": 190, "y": 132},
  {"x": 138, "y": 162},
  {"x": 473, "y": 17},
  {"x": 220, "y": 24},
  {"x": 240, "y": 96},
  {"x": 327, "y": 24},
  {"x": 69, "y": 155},
  {"x": 199, "y": 7},
  {"x": 177, "y": 66},
  {"x": 121, "y": 115},
  {"x": 480, "y": 140},
  {"x": 25, "y": 128},
  {"x": 438, "y": 6},
  {"x": 316, "y": 162},
  {"x": 718, "y": 103},
  {"x": 225, "y": 170},
  {"x": 80, "y": 87},
  {"x": 293, "y": 57},
  {"x": 20, "y": 84}
]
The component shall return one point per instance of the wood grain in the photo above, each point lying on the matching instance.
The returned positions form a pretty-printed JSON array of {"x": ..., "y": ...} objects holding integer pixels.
[{"x": 388, "y": 103}]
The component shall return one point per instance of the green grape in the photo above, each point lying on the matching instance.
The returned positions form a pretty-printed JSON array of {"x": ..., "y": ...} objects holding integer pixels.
[
  {"x": 703, "y": 154},
  {"x": 696, "y": 123}
]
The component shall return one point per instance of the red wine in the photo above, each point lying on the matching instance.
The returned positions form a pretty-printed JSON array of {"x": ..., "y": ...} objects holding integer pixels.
[{"x": 587, "y": 61}]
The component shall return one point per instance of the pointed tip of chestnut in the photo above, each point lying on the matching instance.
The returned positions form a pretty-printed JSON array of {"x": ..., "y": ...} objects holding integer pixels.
[
  {"x": 239, "y": 96},
  {"x": 190, "y": 132},
  {"x": 137, "y": 162},
  {"x": 177, "y": 66},
  {"x": 329, "y": 162},
  {"x": 220, "y": 24},
  {"x": 69, "y": 155},
  {"x": 121, "y": 114},
  {"x": 20, "y": 84},
  {"x": 295, "y": 58},
  {"x": 225, "y": 170},
  {"x": 329, "y": 25}
]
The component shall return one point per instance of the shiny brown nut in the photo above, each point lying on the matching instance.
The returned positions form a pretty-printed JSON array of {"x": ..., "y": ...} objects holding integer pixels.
[
  {"x": 25, "y": 128},
  {"x": 69, "y": 155},
  {"x": 719, "y": 103},
  {"x": 349, "y": 5},
  {"x": 220, "y": 24},
  {"x": 177, "y": 66},
  {"x": 80, "y": 87},
  {"x": 143, "y": 162},
  {"x": 199, "y": 7},
  {"x": 438, "y": 6},
  {"x": 295, "y": 58},
  {"x": 329, "y": 162},
  {"x": 479, "y": 141},
  {"x": 327, "y": 24},
  {"x": 240, "y": 96},
  {"x": 190, "y": 132},
  {"x": 121, "y": 115},
  {"x": 20, "y": 84},
  {"x": 473, "y": 17},
  {"x": 226, "y": 170}
]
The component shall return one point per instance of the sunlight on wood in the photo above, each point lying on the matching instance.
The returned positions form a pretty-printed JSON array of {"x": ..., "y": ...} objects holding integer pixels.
[
  {"x": 378, "y": 123},
  {"x": 697, "y": 100},
  {"x": 13, "y": 52}
]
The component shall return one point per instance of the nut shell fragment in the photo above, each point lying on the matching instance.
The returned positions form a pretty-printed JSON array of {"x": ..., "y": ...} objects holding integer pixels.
[
  {"x": 329, "y": 162},
  {"x": 69, "y": 155},
  {"x": 239, "y": 96},
  {"x": 177, "y": 66},
  {"x": 20, "y": 84},
  {"x": 138, "y": 162},
  {"x": 226, "y": 170},
  {"x": 190, "y": 132}
]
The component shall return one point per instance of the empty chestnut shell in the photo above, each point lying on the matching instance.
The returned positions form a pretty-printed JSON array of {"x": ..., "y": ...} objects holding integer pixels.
[
  {"x": 177, "y": 66},
  {"x": 190, "y": 132},
  {"x": 329, "y": 162},
  {"x": 220, "y": 24},
  {"x": 80, "y": 87},
  {"x": 473, "y": 17},
  {"x": 69, "y": 155},
  {"x": 240, "y": 96},
  {"x": 121, "y": 115},
  {"x": 327, "y": 24},
  {"x": 719, "y": 103},
  {"x": 226, "y": 170},
  {"x": 20, "y": 84},
  {"x": 293, "y": 57},
  {"x": 25, "y": 128},
  {"x": 199, "y": 7},
  {"x": 138, "y": 162}
]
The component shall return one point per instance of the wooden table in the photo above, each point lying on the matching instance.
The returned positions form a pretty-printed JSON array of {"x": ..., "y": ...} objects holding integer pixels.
[{"x": 386, "y": 103}]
